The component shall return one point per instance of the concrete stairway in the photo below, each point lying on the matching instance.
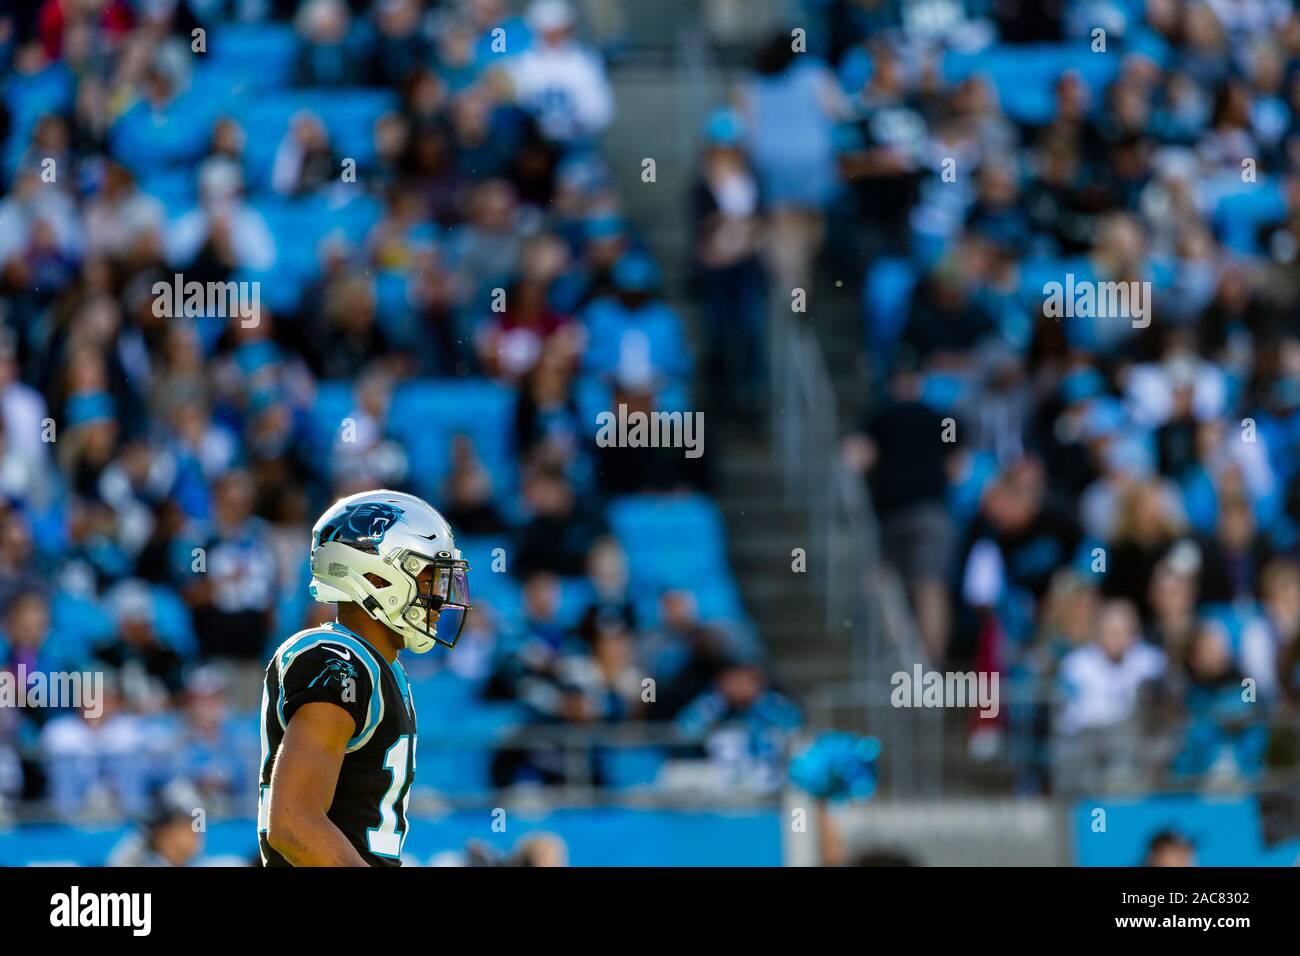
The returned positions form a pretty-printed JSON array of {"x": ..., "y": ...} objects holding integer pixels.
[
  {"x": 659, "y": 114},
  {"x": 787, "y": 607}
]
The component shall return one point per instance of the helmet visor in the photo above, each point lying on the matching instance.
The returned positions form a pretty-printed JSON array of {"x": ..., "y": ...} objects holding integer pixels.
[{"x": 441, "y": 603}]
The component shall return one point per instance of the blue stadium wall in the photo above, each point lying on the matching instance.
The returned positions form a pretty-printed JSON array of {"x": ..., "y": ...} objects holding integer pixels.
[
  {"x": 1227, "y": 831},
  {"x": 604, "y": 837}
]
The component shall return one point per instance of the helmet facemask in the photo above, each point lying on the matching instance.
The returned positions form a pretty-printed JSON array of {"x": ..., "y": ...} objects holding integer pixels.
[{"x": 440, "y": 598}]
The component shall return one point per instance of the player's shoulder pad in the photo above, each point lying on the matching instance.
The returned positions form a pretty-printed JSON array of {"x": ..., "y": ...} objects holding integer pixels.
[{"x": 323, "y": 664}]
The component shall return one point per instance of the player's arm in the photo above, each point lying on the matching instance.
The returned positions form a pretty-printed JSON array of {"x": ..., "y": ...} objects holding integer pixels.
[{"x": 302, "y": 788}]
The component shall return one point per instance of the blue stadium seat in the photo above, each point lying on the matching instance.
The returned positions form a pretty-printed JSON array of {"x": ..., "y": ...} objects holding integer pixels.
[
  {"x": 427, "y": 413},
  {"x": 670, "y": 541},
  {"x": 333, "y": 402},
  {"x": 499, "y": 589},
  {"x": 443, "y": 694},
  {"x": 298, "y": 227},
  {"x": 176, "y": 189},
  {"x": 1242, "y": 210},
  {"x": 457, "y": 763},
  {"x": 717, "y": 601},
  {"x": 1025, "y": 76},
  {"x": 76, "y": 625},
  {"x": 1035, "y": 273},
  {"x": 348, "y": 114},
  {"x": 393, "y": 310},
  {"x": 254, "y": 56},
  {"x": 146, "y": 141},
  {"x": 608, "y": 322}
]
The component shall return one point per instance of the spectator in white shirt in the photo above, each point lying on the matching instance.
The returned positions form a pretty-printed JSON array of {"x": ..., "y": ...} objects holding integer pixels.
[
  {"x": 234, "y": 231},
  {"x": 1101, "y": 680},
  {"x": 562, "y": 83},
  {"x": 1097, "y": 745}
]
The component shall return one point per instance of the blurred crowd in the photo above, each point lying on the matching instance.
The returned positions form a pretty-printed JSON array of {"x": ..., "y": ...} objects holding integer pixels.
[
  {"x": 160, "y": 473},
  {"x": 1102, "y": 507},
  {"x": 1105, "y": 509}
]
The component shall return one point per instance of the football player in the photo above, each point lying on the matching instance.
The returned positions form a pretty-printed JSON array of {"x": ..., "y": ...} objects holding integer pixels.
[{"x": 338, "y": 725}]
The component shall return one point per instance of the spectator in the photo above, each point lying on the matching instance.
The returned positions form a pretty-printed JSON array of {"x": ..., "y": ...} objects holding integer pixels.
[
  {"x": 546, "y": 414},
  {"x": 1170, "y": 848},
  {"x": 98, "y": 763},
  {"x": 329, "y": 47},
  {"x": 685, "y": 655},
  {"x": 1225, "y": 740},
  {"x": 304, "y": 162},
  {"x": 149, "y": 673},
  {"x": 1101, "y": 684},
  {"x": 635, "y": 328},
  {"x": 233, "y": 590},
  {"x": 216, "y": 756},
  {"x": 904, "y": 450},
  {"x": 560, "y": 530},
  {"x": 744, "y": 724},
  {"x": 192, "y": 449},
  {"x": 511, "y": 345},
  {"x": 468, "y": 496},
  {"x": 727, "y": 213},
  {"x": 789, "y": 107},
  {"x": 639, "y": 469},
  {"x": 558, "y": 80},
  {"x": 222, "y": 235}
]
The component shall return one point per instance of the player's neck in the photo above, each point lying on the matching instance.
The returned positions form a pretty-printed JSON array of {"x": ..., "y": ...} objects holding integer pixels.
[{"x": 370, "y": 630}]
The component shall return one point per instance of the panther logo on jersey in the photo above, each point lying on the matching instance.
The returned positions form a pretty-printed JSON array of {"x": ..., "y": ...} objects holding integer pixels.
[
  {"x": 362, "y": 526},
  {"x": 340, "y": 670}
]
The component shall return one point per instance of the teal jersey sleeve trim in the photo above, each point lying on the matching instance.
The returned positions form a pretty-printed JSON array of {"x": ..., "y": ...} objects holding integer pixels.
[{"x": 375, "y": 711}]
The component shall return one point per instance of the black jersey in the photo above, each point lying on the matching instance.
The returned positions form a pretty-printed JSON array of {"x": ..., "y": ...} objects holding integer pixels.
[{"x": 331, "y": 663}]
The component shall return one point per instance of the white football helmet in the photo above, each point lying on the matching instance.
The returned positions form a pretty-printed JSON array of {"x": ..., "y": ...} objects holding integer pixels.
[{"x": 396, "y": 538}]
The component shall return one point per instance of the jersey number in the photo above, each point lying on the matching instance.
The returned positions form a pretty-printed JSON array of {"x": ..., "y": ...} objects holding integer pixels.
[{"x": 386, "y": 839}]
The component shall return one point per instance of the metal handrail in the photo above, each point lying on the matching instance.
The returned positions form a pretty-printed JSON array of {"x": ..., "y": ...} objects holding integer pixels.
[{"x": 863, "y": 599}]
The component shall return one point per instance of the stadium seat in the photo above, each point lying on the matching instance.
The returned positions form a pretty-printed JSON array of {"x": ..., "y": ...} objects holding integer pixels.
[
  {"x": 348, "y": 114},
  {"x": 1025, "y": 76},
  {"x": 670, "y": 541},
  {"x": 254, "y": 56},
  {"x": 332, "y": 405},
  {"x": 145, "y": 140},
  {"x": 176, "y": 189},
  {"x": 426, "y": 414},
  {"x": 298, "y": 226}
]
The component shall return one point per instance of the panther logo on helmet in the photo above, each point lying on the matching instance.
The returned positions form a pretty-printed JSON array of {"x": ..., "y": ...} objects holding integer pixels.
[{"x": 363, "y": 525}]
